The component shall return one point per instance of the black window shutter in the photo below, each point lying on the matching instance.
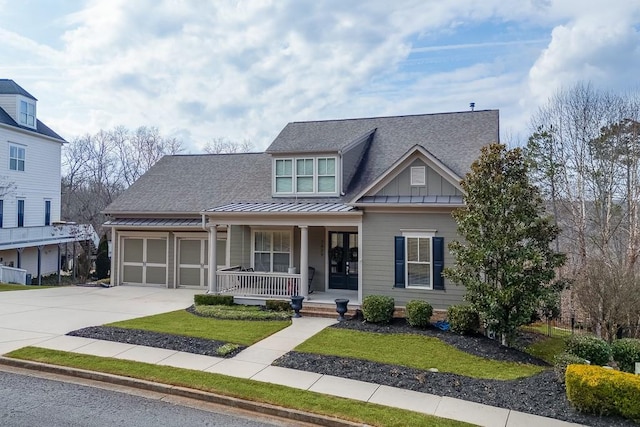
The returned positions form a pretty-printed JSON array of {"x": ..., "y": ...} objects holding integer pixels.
[
  {"x": 399, "y": 262},
  {"x": 438, "y": 262}
]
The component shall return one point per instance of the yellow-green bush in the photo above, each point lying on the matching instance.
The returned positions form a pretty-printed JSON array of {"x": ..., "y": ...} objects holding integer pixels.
[{"x": 601, "y": 391}]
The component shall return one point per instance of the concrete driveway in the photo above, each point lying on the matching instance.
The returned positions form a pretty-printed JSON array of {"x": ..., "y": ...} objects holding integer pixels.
[{"x": 34, "y": 316}]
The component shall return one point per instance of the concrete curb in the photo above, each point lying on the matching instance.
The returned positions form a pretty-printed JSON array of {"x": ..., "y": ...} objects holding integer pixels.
[{"x": 262, "y": 408}]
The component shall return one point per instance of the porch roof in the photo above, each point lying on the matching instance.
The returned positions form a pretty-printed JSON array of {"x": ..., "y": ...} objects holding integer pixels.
[
  {"x": 413, "y": 200},
  {"x": 296, "y": 208},
  {"x": 154, "y": 222}
]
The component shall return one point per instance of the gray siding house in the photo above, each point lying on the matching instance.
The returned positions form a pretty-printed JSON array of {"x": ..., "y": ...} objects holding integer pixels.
[{"x": 335, "y": 208}]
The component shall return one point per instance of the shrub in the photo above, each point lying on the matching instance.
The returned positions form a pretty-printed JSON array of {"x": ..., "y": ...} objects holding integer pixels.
[
  {"x": 213, "y": 299},
  {"x": 626, "y": 352},
  {"x": 562, "y": 360},
  {"x": 240, "y": 312},
  {"x": 378, "y": 308},
  {"x": 103, "y": 262},
  {"x": 589, "y": 347},
  {"x": 463, "y": 319},
  {"x": 418, "y": 313},
  {"x": 226, "y": 349},
  {"x": 601, "y": 391},
  {"x": 278, "y": 305}
]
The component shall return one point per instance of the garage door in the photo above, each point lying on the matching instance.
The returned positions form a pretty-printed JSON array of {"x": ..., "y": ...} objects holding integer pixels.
[
  {"x": 144, "y": 261},
  {"x": 193, "y": 262}
]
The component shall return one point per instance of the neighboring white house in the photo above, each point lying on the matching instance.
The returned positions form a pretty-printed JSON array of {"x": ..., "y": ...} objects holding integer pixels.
[{"x": 31, "y": 234}]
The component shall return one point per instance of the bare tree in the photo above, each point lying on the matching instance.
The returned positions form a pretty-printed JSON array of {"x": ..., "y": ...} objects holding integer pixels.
[
  {"x": 585, "y": 152},
  {"x": 97, "y": 168},
  {"x": 224, "y": 145}
]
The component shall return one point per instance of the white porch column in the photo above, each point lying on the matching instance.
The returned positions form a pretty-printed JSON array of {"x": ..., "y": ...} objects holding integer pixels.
[
  {"x": 304, "y": 261},
  {"x": 213, "y": 277}
]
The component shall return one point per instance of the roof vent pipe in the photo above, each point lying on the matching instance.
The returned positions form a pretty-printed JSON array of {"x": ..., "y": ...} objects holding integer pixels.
[{"x": 472, "y": 105}]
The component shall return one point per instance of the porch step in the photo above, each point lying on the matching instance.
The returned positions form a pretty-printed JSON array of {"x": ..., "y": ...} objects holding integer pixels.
[{"x": 311, "y": 309}]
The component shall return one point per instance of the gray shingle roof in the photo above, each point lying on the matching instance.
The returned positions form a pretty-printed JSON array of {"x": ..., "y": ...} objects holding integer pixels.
[
  {"x": 193, "y": 183},
  {"x": 9, "y": 87}
]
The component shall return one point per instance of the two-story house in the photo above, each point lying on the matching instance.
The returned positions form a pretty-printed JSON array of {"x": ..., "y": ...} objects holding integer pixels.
[
  {"x": 30, "y": 172},
  {"x": 332, "y": 208}
]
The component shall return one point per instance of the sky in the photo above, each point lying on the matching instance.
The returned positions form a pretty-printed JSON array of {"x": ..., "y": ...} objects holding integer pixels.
[{"x": 241, "y": 70}]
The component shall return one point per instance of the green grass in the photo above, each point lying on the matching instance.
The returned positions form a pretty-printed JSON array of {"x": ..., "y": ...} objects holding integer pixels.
[
  {"x": 241, "y": 312},
  {"x": 181, "y": 322},
  {"x": 547, "y": 348},
  {"x": 414, "y": 351},
  {"x": 356, "y": 411},
  {"x": 543, "y": 329},
  {"x": 7, "y": 287}
]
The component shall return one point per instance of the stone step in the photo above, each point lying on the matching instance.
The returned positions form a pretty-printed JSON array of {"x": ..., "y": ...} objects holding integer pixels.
[{"x": 326, "y": 310}]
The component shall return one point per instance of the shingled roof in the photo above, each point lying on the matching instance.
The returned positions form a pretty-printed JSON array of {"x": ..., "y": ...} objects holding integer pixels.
[
  {"x": 193, "y": 183},
  {"x": 9, "y": 87}
]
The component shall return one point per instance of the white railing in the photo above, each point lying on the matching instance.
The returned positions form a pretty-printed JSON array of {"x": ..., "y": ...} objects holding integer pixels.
[
  {"x": 249, "y": 283},
  {"x": 13, "y": 275},
  {"x": 47, "y": 234}
]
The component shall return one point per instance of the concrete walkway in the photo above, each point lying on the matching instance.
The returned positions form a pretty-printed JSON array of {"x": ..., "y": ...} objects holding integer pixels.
[{"x": 58, "y": 312}]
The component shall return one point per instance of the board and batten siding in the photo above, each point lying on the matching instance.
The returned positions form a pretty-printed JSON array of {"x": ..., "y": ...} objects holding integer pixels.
[
  {"x": 436, "y": 185},
  {"x": 378, "y": 233}
]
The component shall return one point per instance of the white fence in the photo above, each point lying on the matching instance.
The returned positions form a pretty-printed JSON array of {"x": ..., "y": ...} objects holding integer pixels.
[
  {"x": 13, "y": 275},
  {"x": 49, "y": 234},
  {"x": 249, "y": 283}
]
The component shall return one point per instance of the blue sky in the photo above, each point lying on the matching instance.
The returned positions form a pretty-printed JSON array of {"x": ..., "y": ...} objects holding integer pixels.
[{"x": 242, "y": 69}]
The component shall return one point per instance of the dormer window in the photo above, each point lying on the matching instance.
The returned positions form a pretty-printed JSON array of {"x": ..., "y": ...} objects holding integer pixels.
[
  {"x": 313, "y": 176},
  {"x": 27, "y": 114}
]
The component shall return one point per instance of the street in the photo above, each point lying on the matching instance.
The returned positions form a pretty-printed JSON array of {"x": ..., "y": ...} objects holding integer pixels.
[{"x": 34, "y": 401}]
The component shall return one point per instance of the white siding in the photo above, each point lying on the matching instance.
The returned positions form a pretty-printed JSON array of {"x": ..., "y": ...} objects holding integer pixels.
[
  {"x": 9, "y": 104},
  {"x": 39, "y": 181}
]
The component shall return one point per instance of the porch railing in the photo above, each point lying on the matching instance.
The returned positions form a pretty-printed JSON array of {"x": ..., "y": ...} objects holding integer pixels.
[
  {"x": 13, "y": 275},
  {"x": 250, "y": 283}
]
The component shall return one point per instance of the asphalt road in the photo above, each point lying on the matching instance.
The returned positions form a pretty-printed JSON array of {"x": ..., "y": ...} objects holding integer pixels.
[{"x": 27, "y": 401}]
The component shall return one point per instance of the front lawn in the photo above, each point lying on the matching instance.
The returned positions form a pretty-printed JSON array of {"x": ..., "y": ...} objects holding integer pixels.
[
  {"x": 181, "y": 322},
  {"x": 414, "y": 351},
  {"x": 8, "y": 287},
  {"x": 303, "y": 400}
]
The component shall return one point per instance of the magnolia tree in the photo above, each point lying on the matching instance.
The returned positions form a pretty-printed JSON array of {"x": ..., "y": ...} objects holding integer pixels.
[{"x": 506, "y": 261}]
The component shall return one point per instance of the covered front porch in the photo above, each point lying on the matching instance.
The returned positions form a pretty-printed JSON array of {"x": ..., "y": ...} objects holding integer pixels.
[{"x": 275, "y": 251}]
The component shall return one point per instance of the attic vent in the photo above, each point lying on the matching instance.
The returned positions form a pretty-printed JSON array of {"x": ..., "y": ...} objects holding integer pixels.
[{"x": 418, "y": 175}]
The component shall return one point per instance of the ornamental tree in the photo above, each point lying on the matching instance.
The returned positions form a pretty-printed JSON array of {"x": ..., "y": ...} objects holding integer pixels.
[{"x": 506, "y": 261}]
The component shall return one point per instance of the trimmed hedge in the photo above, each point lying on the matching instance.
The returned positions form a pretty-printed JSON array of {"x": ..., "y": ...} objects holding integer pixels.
[
  {"x": 278, "y": 305},
  {"x": 562, "y": 360},
  {"x": 463, "y": 319},
  {"x": 626, "y": 352},
  {"x": 589, "y": 347},
  {"x": 378, "y": 308},
  {"x": 601, "y": 391},
  {"x": 418, "y": 313},
  {"x": 213, "y": 299}
]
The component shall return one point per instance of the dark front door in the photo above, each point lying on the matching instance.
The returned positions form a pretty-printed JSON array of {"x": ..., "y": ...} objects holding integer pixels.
[{"x": 343, "y": 260}]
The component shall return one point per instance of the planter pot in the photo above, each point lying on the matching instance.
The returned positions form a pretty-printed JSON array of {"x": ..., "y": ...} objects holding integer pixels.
[
  {"x": 296, "y": 304},
  {"x": 341, "y": 308}
]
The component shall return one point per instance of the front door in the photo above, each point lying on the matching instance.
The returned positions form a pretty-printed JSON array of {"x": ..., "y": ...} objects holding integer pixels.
[{"x": 343, "y": 260}]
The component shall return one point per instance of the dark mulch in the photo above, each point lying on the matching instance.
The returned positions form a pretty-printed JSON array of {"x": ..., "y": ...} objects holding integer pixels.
[
  {"x": 154, "y": 339},
  {"x": 540, "y": 394}
]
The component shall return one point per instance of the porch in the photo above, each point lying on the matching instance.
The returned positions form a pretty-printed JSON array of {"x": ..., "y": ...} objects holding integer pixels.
[{"x": 277, "y": 250}]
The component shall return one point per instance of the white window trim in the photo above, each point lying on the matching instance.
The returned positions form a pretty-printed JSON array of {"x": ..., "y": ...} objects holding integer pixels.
[
  {"x": 24, "y": 159},
  {"x": 418, "y": 176},
  {"x": 255, "y": 230},
  {"x": 426, "y": 234},
  {"x": 19, "y": 101},
  {"x": 294, "y": 176}
]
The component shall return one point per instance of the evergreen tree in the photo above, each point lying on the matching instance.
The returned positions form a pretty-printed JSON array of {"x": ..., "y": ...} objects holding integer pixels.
[
  {"x": 103, "y": 262},
  {"x": 506, "y": 261}
]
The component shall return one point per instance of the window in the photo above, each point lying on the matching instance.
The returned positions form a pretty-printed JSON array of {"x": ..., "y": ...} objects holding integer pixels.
[
  {"x": 272, "y": 251},
  {"x": 28, "y": 113},
  {"x": 47, "y": 212},
  {"x": 315, "y": 175},
  {"x": 1, "y": 212},
  {"x": 16, "y": 158},
  {"x": 418, "y": 175},
  {"x": 20, "y": 213},
  {"x": 284, "y": 176},
  {"x": 419, "y": 260}
]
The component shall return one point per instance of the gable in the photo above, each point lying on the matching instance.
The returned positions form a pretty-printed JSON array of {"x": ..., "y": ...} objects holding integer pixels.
[{"x": 434, "y": 183}]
